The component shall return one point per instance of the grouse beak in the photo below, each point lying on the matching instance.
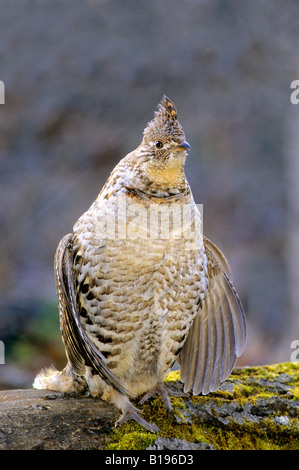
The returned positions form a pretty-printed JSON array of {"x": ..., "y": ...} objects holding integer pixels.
[{"x": 183, "y": 146}]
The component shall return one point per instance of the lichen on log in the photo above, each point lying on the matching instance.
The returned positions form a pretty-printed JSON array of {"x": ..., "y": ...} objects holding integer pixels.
[{"x": 256, "y": 408}]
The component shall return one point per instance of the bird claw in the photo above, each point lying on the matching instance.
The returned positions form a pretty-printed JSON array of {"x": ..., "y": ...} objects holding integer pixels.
[
  {"x": 164, "y": 392},
  {"x": 133, "y": 413}
]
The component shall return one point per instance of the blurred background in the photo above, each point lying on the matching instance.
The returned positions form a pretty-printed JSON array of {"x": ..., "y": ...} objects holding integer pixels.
[{"x": 82, "y": 79}]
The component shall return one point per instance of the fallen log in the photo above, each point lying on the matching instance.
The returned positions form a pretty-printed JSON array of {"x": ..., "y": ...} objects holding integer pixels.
[{"x": 256, "y": 408}]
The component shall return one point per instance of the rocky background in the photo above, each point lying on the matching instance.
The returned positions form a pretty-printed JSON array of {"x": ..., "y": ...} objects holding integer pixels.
[{"x": 82, "y": 79}]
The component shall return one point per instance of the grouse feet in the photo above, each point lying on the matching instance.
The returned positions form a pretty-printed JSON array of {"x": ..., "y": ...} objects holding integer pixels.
[
  {"x": 164, "y": 392},
  {"x": 132, "y": 412}
]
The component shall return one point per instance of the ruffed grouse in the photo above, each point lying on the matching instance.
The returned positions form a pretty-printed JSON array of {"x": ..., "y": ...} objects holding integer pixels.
[{"x": 140, "y": 287}]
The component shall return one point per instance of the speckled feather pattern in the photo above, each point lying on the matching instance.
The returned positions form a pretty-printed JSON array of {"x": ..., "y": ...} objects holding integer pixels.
[
  {"x": 137, "y": 298},
  {"x": 138, "y": 291}
]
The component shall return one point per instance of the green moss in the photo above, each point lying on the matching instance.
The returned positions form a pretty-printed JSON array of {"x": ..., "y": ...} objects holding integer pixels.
[
  {"x": 173, "y": 376},
  {"x": 246, "y": 386},
  {"x": 131, "y": 438},
  {"x": 251, "y": 436}
]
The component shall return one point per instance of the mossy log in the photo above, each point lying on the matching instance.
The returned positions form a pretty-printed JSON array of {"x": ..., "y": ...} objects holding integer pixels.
[{"x": 256, "y": 408}]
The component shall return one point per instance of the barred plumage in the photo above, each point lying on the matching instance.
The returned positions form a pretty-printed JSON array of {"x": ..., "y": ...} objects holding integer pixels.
[{"x": 139, "y": 287}]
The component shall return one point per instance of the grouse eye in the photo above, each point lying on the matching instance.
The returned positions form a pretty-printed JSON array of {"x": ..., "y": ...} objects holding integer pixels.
[{"x": 159, "y": 144}]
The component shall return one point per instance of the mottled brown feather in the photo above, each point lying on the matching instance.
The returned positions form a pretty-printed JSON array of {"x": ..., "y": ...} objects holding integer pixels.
[
  {"x": 80, "y": 350},
  {"x": 218, "y": 333}
]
